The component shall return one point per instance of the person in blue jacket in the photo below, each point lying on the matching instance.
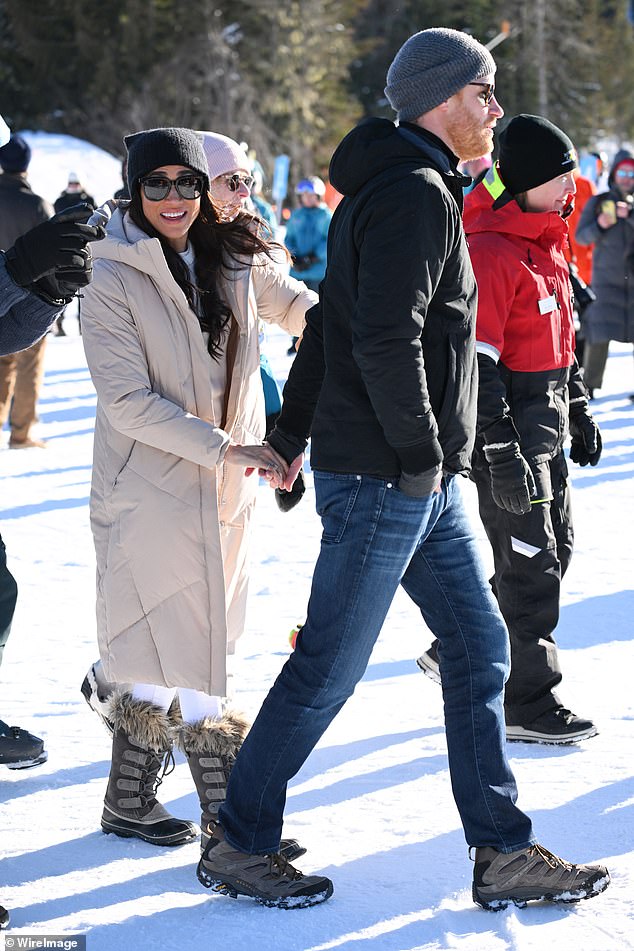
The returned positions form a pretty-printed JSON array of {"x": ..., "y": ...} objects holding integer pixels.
[
  {"x": 307, "y": 235},
  {"x": 307, "y": 232}
]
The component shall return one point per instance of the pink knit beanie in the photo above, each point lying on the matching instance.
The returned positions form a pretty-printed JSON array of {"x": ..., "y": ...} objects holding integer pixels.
[{"x": 224, "y": 155}]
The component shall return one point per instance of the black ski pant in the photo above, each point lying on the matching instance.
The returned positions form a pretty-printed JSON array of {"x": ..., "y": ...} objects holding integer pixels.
[
  {"x": 8, "y": 598},
  {"x": 531, "y": 554}
]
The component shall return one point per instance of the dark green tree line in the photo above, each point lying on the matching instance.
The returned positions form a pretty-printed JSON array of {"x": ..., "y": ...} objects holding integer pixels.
[{"x": 293, "y": 75}]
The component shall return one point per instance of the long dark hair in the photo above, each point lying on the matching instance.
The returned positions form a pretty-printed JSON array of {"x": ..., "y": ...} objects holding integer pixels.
[{"x": 216, "y": 246}]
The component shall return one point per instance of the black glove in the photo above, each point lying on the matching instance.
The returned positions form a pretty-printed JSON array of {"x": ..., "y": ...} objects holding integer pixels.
[
  {"x": 288, "y": 500},
  {"x": 512, "y": 482},
  {"x": 586, "y": 439},
  {"x": 56, "y": 247},
  {"x": 422, "y": 484},
  {"x": 303, "y": 261}
]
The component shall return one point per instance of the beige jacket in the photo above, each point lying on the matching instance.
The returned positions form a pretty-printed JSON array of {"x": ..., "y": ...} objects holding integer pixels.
[{"x": 170, "y": 521}]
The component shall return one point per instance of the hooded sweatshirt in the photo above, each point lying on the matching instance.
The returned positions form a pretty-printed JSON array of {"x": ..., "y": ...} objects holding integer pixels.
[{"x": 392, "y": 340}]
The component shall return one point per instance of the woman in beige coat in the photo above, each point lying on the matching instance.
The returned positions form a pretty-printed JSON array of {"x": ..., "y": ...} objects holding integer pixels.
[{"x": 170, "y": 327}]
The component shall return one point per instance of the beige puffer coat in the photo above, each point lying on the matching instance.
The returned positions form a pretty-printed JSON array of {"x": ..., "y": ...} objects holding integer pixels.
[{"x": 171, "y": 523}]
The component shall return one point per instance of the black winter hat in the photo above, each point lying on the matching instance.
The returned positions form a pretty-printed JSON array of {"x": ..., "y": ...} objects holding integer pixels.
[
  {"x": 15, "y": 155},
  {"x": 533, "y": 151},
  {"x": 155, "y": 147}
]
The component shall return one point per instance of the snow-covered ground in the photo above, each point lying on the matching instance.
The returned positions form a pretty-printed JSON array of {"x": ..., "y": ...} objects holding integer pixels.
[{"x": 373, "y": 803}]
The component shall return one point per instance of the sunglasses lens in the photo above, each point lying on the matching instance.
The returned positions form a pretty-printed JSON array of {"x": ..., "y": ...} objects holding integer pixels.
[
  {"x": 156, "y": 189},
  {"x": 233, "y": 182},
  {"x": 189, "y": 187}
]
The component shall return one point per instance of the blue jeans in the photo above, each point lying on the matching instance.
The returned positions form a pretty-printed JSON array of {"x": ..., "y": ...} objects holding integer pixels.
[{"x": 375, "y": 538}]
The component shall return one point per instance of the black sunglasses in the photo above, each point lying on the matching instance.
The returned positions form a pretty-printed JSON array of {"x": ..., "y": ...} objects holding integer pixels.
[
  {"x": 489, "y": 91},
  {"x": 158, "y": 187},
  {"x": 233, "y": 182}
]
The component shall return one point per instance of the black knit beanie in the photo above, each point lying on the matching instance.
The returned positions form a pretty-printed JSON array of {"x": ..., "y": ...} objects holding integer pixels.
[
  {"x": 15, "y": 155},
  {"x": 431, "y": 66},
  {"x": 533, "y": 151},
  {"x": 156, "y": 147}
]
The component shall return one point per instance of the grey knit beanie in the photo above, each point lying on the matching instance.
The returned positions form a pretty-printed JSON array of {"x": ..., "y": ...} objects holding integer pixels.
[
  {"x": 155, "y": 147},
  {"x": 432, "y": 66}
]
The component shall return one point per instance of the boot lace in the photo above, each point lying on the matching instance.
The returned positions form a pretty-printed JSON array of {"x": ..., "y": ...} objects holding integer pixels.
[
  {"x": 153, "y": 775},
  {"x": 282, "y": 868},
  {"x": 552, "y": 860}
]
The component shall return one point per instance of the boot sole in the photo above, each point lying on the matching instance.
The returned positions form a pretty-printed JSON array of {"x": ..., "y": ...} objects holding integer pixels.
[
  {"x": 126, "y": 832},
  {"x": 28, "y": 763},
  {"x": 232, "y": 888},
  {"x": 596, "y": 884},
  {"x": 430, "y": 670},
  {"x": 518, "y": 734}
]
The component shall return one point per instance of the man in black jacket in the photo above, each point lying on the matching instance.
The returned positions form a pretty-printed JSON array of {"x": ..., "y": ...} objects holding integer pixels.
[{"x": 385, "y": 381}]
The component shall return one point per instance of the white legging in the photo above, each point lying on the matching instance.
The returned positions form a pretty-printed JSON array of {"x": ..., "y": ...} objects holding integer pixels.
[{"x": 195, "y": 705}]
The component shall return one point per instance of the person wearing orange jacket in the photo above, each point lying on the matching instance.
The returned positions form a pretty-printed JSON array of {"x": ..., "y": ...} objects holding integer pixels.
[{"x": 579, "y": 258}]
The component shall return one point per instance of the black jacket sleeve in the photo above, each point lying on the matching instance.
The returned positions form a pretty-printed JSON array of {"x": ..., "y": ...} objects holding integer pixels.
[
  {"x": 492, "y": 405},
  {"x": 306, "y": 376}
]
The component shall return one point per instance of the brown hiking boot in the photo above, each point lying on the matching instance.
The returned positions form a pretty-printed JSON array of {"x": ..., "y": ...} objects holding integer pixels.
[
  {"x": 270, "y": 879},
  {"x": 211, "y": 747},
  {"x": 532, "y": 874}
]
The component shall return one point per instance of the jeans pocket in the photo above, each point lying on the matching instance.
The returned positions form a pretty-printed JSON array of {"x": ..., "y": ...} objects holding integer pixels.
[{"x": 335, "y": 500}]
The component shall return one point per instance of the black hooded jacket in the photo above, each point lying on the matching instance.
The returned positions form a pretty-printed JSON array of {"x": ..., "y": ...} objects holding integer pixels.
[{"x": 387, "y": 361}]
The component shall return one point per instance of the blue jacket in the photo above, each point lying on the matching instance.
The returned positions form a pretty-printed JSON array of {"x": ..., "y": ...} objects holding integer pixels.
[
  {"x": 307, "y": 234},
  {"x": 24, "y": 317}
]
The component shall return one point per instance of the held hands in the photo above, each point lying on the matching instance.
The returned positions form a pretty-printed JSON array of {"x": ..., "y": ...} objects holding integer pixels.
[
  {"x": 269, "y": 464},
  {"x": 53, "y": 258},
  {"x": 512, "y": 482},
  {"x": 586, "y": 440}
]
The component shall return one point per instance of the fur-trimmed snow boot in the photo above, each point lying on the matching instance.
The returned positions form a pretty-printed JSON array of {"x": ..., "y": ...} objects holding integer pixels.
[
  {"x": 141, "y": 745},
  {"x": 211, "y": 747}
]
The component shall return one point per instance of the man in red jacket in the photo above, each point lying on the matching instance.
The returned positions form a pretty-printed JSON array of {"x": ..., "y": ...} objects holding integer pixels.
[{"x": 530, "y": 395}]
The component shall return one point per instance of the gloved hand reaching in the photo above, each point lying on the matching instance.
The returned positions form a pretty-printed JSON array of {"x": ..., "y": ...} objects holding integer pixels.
[
  {"x": 56, "y": 253},
  {"x": 512, "y": 482},
  {"x": 586, "y": 439}
]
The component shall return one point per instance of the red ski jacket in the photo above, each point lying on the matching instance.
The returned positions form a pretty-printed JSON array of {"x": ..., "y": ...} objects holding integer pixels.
[{"x": 524, "y": 293}]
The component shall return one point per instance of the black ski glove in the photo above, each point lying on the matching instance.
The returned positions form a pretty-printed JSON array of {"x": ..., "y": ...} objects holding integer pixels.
[
  {"x": 586, "y": 439},
  {"x": 512, "y": 482},
  {"x": 56, "y": 249}
]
